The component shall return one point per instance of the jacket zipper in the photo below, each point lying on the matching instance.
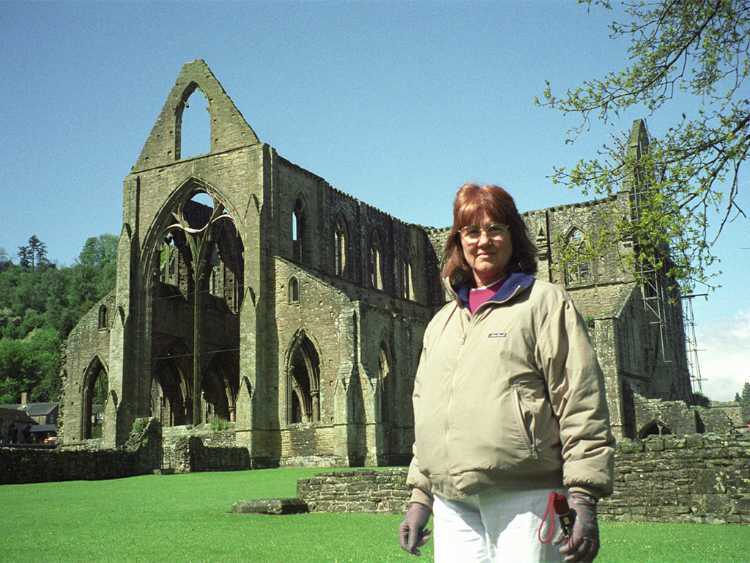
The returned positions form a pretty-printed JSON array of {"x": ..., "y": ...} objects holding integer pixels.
[{"x": 525, "y": 432}]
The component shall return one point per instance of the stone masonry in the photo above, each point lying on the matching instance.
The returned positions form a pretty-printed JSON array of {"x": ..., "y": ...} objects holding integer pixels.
[{"x": 691, "y": 478}]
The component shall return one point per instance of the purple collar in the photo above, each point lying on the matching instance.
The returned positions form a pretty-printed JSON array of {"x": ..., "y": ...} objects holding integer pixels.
[{"x": 515, "y": 281}]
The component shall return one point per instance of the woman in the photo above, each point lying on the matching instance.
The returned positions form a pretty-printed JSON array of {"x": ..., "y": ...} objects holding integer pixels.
[{"x": 509, "y": 401}]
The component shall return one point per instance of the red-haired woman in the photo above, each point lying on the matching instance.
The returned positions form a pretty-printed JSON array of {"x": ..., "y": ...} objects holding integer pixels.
[{"x": 509, "y": 402}]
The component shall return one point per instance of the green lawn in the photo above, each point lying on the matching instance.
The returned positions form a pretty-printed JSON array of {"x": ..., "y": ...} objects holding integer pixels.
[{"x": 186, "y": 518}]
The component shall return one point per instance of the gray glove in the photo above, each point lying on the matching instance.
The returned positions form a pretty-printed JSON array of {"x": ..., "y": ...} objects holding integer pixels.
[
  {"x": 583, "y": 544},
  {"x": 412, "y": 532}
]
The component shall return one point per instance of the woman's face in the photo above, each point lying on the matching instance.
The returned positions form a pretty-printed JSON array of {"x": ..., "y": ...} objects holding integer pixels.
[{"x": 489, "y": 254}]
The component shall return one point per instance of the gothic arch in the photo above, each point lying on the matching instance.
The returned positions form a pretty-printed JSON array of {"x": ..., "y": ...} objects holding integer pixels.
[
  {"x": 179, "y": 110},
  {"x": 406, "y": 285},
  {"x": 298, "y": 228},
  {"x": 293, "y": 290},
  {"x": 94, "y": 393},
  {"x": 103, "y": 318},
  {"x": 375, "y": 260},
  {"x": 303, "y": 381},
  {"x": 341, "y": 246},
  {"x": 190, "y": 211},
  {"x": 164, "y": 218}
]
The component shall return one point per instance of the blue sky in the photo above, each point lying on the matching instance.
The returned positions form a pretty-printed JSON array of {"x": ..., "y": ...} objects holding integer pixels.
[{"x": 395, "y": 103}]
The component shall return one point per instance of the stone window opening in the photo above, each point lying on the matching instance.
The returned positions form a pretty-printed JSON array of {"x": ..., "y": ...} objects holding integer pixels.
[
  {"x": 94, "y": 399},
  {"x": 297, "y": 231},
  {"x": 341, "y": 249},
  {"x": 192, "y": 124},
  {"x": 293, "y": 290},
  {"x": 577, "y": 268},
  {"x": 375, "y": 262},
  {"x": 407, "y": 286},
  {"x": 103, "y": 318},
  {"x": 303, "y": 396}
]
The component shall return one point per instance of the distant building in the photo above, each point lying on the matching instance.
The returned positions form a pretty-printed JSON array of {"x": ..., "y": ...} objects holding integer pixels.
[{"x": 26, "y": 422}]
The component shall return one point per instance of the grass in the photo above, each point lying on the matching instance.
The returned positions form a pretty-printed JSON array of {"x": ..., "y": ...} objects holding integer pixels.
[{"x": 186, "y": 518}]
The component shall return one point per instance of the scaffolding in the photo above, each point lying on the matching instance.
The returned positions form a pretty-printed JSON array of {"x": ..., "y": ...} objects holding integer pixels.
[
  {"x": 653, "y": 291},
  {"x": 691, "y": 344}
]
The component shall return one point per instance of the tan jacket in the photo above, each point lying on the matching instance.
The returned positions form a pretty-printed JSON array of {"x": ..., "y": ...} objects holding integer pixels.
[{"x": 511, "y": 397}]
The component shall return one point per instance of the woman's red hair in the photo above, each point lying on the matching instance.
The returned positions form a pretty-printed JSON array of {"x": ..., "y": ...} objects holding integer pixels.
[{"x": 472, "y": 201}]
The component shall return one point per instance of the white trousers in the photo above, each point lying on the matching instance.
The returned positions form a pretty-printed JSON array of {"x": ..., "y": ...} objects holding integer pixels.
[{"x": 492, "y": 526}]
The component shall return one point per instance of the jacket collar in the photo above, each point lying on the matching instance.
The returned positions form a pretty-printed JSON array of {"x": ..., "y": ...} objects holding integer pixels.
[{"x": 514, "y": 283}]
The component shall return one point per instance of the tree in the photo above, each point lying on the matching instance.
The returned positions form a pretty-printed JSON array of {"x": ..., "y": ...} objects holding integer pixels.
[
  {"x": 4, "y": 259},
  {"x": 24, "y": 257},
  {"x": 93, "y": 275},
  {"x": 34, "y": 255},
  {"x": 39, "y": 306},
  {"x": 701, "y": 400},
  {"x": 692, "y": 48},
  {"x": 30, "y": 365}
]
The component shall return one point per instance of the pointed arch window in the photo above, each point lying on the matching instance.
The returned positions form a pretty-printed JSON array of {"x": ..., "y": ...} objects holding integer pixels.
[
  {"x": 375, "y": 261},
  {"x": 341, "y": 247},
  {"x": 578, "y": 268},
  {"x": 303, "y": 383},
  {"x": 297, "y": 231},
  {"x": 94, "y": 399},
  {"x": 103, "y": 318},
  {"x": 293, "y": 290},
  {"x": 407, "y": 287},
  {"x": 192, "y": 124}
]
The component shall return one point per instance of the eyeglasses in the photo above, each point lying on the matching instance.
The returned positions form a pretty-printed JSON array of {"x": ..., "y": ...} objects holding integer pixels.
[{"x": 494, "y": 231}]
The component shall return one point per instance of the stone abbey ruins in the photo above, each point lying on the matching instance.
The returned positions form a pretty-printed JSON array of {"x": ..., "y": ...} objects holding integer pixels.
[{"x": 253, "y": 296}]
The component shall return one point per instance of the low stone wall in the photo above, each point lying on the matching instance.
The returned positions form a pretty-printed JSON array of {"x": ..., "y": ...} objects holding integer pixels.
[
  {"x": 39, "y": 465},
  {"x": 24, "y": 465},
  {"x": 697, "y": 478},
  {"x": 149, "y": 447},
  {"x": 355, "y": 491}
]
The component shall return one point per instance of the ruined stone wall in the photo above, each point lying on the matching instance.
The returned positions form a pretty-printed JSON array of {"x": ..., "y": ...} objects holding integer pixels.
[
  {"x": 349, "y": 327},
  {"x": 86, "y": 342},
  {"x": 322, "y": 209},
  {"x": 656, "y": 416},
  {"x": 19, "y": 465},
  {"x": 673, "y": 479},
  {"x": 186, "y": 449},
  {"x": 234, "y": 174},
  {"x": 347, "y": 320},
  {"x": 84, "y": 461},
  {"x": 695, "y": 478}
]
